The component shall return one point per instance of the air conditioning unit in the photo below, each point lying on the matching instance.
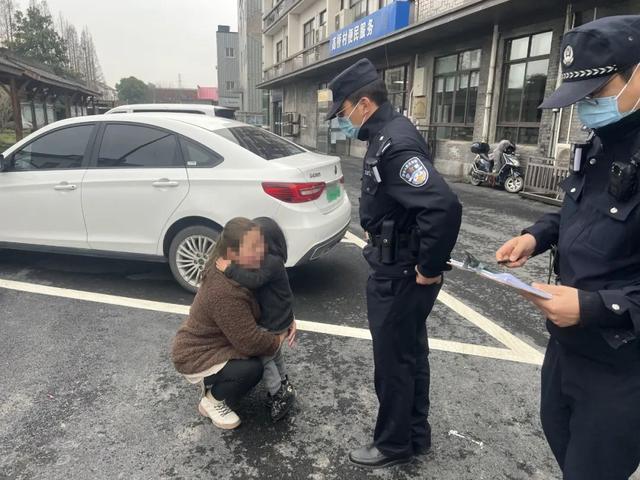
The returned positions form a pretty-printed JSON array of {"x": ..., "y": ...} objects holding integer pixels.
[
  {"x": 291, "y": 124},
  {"x": 563, "y": 154}
]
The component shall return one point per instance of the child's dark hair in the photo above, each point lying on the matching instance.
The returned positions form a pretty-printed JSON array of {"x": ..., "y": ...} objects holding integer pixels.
[{"x": 273, "y": 237}]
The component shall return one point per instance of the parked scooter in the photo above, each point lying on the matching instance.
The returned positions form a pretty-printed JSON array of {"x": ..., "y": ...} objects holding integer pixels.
[{"x": 509, "y": 173}]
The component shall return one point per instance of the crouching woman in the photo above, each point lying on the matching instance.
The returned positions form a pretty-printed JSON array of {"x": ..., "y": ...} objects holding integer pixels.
[{"x": 219, "y": 345}]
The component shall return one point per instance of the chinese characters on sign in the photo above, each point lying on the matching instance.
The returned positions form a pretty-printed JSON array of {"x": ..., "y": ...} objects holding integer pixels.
[
  {"x": 353, "y": 34},
  {"x": 380, "y": 23}
]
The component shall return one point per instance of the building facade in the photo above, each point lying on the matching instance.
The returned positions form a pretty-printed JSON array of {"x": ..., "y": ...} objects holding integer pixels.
[
  {"x": 462, "y": 70},
  {"x": 229, "y": 89},
  {"x": 254, "y": 102}
]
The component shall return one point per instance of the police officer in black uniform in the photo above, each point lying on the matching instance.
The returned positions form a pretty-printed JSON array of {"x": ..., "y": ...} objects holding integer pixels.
[
  {"x": 590, "y": 406},
  {"x": 412, "y": 219}
]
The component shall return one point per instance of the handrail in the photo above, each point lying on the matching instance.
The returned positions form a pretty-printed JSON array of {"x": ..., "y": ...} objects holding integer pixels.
[
  {"x": 277, "y": 12},
  {"x": 545, "y": 179},
  {"x": 305, "y": 57}
]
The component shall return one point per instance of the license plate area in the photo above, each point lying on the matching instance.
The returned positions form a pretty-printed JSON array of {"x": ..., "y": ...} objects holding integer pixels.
[{"x": 333, "y": 191}]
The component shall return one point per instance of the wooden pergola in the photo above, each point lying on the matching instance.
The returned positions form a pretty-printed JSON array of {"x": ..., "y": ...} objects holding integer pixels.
[{"x": 25, "y": 80}]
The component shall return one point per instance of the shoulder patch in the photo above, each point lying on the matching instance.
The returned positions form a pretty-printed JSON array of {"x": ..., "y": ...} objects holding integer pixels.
[{"x": 414, "y": 172}]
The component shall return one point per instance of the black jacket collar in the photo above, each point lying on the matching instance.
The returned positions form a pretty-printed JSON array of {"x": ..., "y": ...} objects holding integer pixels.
[
  {"x": 376, "y": 122},
  {"x": 625, "y": 130}
]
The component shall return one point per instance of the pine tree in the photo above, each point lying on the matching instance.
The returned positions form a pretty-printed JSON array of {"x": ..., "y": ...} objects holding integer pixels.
[{"x": 35, "y": 37}]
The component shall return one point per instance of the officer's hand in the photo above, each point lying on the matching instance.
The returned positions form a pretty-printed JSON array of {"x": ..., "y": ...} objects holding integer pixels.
[
  {"x": 563, "y": 309},
  {"x": 422, "y": 280},
  {"x": 517, "y": 251}
]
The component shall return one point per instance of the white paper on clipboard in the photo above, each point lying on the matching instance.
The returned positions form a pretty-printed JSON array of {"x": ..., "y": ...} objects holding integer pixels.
[{"x": 503, "y": 278}]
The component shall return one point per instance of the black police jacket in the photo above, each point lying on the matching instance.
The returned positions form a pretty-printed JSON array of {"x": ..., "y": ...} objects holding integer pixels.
[
  {"x": 399, "y": 183},
  {"x": 598, "y": 240}
]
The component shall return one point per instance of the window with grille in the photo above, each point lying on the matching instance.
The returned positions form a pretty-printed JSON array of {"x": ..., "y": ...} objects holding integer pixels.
[
  {"x": 455, "y": 95},
  {"x": 523, "y": 84}
]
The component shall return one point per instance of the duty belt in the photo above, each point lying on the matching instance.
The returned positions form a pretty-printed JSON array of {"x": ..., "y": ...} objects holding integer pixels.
[{"x": 403, "y": 240}]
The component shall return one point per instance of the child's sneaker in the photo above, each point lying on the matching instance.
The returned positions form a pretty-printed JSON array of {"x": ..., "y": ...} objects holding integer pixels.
[
  {"x": 286, "y": 384},
  {"x": 280, "y": 404},
  {"x": 219, "y": 413},
  {"x": 288, "y": 388}
]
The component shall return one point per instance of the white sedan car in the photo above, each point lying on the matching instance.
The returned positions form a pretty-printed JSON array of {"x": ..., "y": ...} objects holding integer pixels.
[{"x": 161, "y": 186}]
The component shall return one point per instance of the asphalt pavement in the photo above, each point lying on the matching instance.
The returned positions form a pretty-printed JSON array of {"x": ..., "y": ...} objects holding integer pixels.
[{"x": 89, "y": 391}]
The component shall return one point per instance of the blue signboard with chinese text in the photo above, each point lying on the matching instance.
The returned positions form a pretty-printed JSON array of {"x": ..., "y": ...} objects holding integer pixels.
[{"x": 380, "y": 23}]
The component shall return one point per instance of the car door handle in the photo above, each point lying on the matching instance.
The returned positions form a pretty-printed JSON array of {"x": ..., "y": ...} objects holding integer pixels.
[
  {"x": 65, "y": 187},
  {"x": 164, "y": 183}
]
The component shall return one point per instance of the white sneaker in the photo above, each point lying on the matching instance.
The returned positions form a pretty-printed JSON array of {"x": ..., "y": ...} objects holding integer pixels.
[{"x": 219, "y": 413}]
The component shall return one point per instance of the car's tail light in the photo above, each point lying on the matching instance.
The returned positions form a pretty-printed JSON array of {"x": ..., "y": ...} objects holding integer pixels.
[
  {"x": 294, "y": 192},
  {"x": 342, "y": 180}
]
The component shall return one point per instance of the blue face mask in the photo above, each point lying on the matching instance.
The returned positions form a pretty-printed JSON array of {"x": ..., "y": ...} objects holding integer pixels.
[
  {"x": 603, "y": 111},
  {"x": 347, "y": 126}
]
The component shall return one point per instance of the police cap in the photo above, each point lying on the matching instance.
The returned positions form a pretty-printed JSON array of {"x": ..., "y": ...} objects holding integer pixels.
[
  {"x": 592, "y": 53},
  {"x": 358, "y": 75}
]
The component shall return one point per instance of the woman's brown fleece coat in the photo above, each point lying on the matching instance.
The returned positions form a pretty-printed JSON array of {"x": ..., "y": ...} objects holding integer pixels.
[{"x": 221, "y": 326}]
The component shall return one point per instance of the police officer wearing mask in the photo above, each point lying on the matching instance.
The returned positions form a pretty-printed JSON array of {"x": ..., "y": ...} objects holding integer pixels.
[
  {"x": 590, "y": 407},
  {"x": 412, "y": 219}
]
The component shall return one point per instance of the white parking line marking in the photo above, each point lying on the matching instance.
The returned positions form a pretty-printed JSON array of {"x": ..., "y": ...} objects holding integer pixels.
[
  {"x": 434, "y": 343},
  {"x": 303, "y": 325},
  {"x": 516, "y": 348},
  {"x": 95, "y": 297},
  {"x": 351, "y": 238}
]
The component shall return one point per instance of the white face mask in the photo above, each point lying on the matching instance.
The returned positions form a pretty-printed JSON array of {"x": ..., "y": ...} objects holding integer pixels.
[{"x": 603, "y": 111}]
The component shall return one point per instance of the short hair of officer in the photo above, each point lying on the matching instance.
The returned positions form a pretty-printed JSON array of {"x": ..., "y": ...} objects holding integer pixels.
[{"x": 629, "y": 97}]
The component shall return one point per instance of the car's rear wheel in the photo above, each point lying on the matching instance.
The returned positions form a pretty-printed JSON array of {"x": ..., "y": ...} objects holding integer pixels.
[{"x": 189, "y": 253}]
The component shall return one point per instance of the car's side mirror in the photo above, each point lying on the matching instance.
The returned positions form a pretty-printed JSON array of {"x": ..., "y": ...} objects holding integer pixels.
[{"x": 5, "y": 163}]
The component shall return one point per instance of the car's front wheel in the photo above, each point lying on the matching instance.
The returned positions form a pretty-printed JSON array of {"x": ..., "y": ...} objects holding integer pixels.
[{"x": 189, "y": 253}]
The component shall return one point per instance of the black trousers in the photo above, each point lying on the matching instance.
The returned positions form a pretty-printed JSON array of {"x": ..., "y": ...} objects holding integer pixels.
[
  {"x": 397, "y": 311},
  {"x": 235, "y": 380},
  {"x": 590, "y": 415}
]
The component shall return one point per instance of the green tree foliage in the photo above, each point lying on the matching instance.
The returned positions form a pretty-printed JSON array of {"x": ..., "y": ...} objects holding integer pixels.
[
  {"x": 35, "y": 37},
  {"x": 132, "y": 90}
]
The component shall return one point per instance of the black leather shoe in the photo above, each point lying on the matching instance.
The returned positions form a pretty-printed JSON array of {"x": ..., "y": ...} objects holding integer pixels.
[
  {"x": 421, "y": 450},
  {"x": 371, "y": 457}
]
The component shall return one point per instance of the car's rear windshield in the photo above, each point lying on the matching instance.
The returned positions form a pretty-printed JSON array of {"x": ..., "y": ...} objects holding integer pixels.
[{"x": 262, "y": 143}]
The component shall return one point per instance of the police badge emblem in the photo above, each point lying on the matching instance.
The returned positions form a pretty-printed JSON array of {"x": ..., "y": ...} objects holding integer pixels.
[
  {"x": 414, "y": 172},
  {"x": 567, "y": 56}
]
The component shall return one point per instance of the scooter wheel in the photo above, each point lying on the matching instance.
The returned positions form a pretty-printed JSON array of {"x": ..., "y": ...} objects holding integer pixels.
[
  {"x": 473, "y": 180},
  {"x": 514, "y": 184}
]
